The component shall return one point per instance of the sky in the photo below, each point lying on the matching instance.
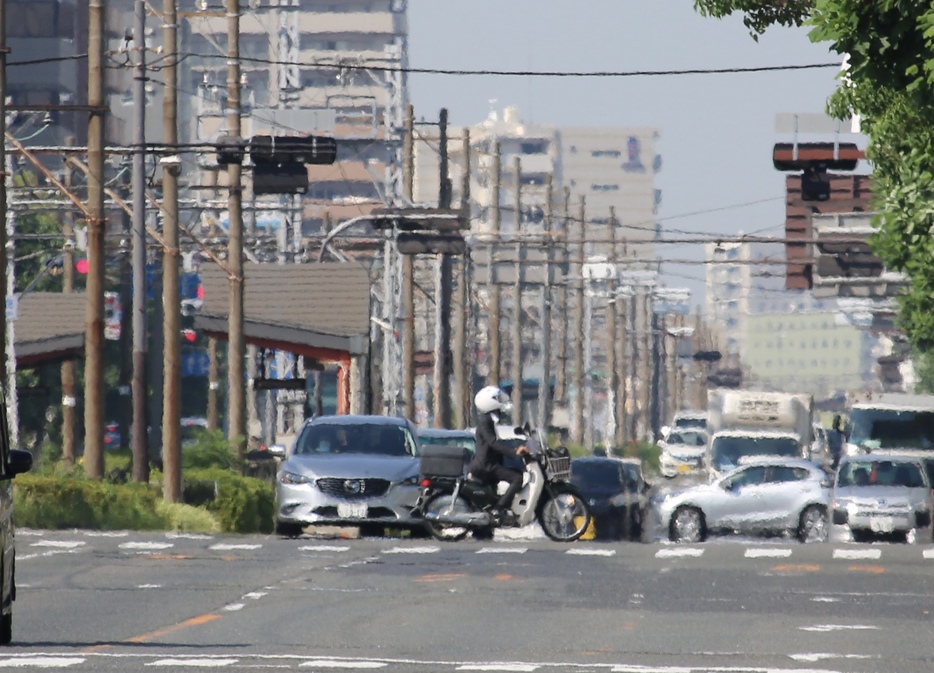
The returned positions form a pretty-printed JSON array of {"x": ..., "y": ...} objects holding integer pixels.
[{"x": 717, "y": 130}]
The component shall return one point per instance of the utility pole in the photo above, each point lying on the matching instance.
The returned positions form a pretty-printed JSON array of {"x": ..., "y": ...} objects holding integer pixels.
[
  {"x": 171, "y": 317},
  {"x": 69, "y": 400},
  {"x": 94, "y": 318},
  {"x": 516, "y": 374},
  {"x": 462, "y": 309},
  {"x": 648, "y": 353},
  {"x": 442, "y": 387},
  {"x": 577, "y": 329},
  {"x": 561, "y": 383},
  {"x": 213, "y": 384},
  {"x": 544, "y": 384},
  {"x": 408, "y": 271},
  {"x": 236, "y": 347},
  {"x": 140, "y": 384},
  {"x": 493, "y": 338},
  {"x": 612, "y": 375},
  {"x": 4, "y": 180}
]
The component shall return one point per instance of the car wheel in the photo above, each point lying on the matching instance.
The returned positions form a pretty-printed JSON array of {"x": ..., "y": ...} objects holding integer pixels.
[
  {"x": 687, "y": 525},
  {"x": 813, "y": 525},
  {"x": 288, "y": 529}
]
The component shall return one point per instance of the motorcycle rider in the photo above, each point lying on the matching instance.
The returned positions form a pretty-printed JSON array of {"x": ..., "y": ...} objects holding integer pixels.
[{"x": 487, "y": 464}]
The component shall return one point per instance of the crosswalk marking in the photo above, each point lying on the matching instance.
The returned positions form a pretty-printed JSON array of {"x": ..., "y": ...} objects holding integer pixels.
[
  {"x": 223, "y": 546},
  {"x": 767, "y": 553},
  {"x": 857, "y": 553},
  {"x": 502, "y": 550},
  {"x": 591, "y": 552},
  {"x": 412, "y": 550},
  {"x": 41, "y": 662},
  {"x": 147, "y": 546},
  {"x": 677, "y": 552},
  {"x": 324, "y": 547},
  {"x": 197, "y": 663},
  {"x": 331, "y": 663}
]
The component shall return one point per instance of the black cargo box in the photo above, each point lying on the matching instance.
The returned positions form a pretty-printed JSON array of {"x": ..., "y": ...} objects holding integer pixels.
[{"x": 443, "y": 461}]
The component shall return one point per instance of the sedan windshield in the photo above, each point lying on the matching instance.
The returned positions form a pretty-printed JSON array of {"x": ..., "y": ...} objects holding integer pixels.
[
  {"x": 368, "y": 438},
  {"x": 726, "y": 451},
  {"x": 892, "y": 429}
]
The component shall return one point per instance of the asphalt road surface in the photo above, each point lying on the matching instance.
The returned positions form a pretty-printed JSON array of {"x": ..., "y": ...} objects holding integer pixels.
[{"x": 134, "y": 602}]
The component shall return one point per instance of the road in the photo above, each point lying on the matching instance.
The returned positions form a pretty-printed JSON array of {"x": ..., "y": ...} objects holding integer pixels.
[{"x": 152, "y": 601}]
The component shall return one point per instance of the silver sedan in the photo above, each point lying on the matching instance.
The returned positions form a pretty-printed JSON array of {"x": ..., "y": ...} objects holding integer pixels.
[
  {"x": 349, "y": 470},
  {"x": 762, "y": 496}
]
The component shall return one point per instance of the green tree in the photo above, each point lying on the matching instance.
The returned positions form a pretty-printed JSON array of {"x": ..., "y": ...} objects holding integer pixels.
[{"x": 889, "y": 84}]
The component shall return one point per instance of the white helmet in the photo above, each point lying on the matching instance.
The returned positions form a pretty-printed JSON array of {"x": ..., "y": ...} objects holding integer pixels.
[{"x": 490, "y": 399}]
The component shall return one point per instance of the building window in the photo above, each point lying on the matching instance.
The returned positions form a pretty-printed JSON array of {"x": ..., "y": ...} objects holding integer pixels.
[
  {"x": 534, "y": 147},
  {"x": 604, "y": 188},
  {"x": 614, "y": 154}
]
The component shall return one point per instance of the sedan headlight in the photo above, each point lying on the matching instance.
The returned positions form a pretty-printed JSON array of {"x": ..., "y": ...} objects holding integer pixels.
[{"x": 293, "y": 478}]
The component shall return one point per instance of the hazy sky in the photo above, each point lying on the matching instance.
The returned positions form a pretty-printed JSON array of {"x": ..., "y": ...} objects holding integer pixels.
[{"x": 717, "y": 131}]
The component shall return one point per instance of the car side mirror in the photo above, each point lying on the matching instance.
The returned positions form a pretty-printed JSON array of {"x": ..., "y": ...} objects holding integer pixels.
[
  {"x": 277, "y": 451},
  {"x": 20, "y": 461}
]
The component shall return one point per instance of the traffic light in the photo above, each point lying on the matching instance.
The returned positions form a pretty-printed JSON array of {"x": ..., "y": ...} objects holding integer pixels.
[{"x": 279, "y": 161}]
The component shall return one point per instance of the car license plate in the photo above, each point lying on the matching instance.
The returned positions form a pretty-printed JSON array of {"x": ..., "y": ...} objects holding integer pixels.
[
  {"x": 882, "y": 524},
  {"x": 684, "y": 469},
  {"x": 351, "y": 510}
]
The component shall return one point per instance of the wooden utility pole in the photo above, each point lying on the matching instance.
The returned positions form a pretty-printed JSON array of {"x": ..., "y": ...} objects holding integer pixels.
[
  {"x": 461, "y": 357},
  {"x": 69, "y": 401},
  {"x": 214, "y": 384},
  {"x": 408, "y": 271},
  {"x": 577, "y": 330},
  {"x": 516, "y": 331},
  {"x": 94, "y": 315},
  {"x": 442, "y": 383},
  {"x": 544, "y": 384},
  {"x": 236, "y": 346},
  {"x": 171, "y": 317},
  {"x": 493, "y": 337},
  {"x": 612, "y": 375},
  {"x": 646, "y": 362},
  {"x": 4, "y": 179}
]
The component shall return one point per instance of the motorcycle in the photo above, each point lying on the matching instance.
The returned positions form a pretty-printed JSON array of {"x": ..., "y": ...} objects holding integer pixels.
[{"x": 453, "y": 504}]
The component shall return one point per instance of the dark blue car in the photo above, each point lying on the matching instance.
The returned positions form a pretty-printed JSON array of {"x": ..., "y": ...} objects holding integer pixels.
[{"x": 616, "y": 493}]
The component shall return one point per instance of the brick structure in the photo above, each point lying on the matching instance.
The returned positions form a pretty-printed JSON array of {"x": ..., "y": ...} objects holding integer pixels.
[{"x": 848, "y": 194}]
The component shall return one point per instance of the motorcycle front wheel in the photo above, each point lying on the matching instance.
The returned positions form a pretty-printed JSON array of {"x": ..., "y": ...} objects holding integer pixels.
[
  {"x": 442, "y": 504},
  {"x": 563, "y": 515}
]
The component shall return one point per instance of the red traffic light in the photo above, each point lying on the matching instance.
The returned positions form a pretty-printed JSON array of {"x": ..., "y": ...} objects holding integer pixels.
[
  {"x": 82, "y": 266},
  {"x": 189, "y": 335}
]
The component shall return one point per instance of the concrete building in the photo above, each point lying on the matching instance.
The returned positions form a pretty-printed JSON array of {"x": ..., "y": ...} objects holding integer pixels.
[{"x": 728, "y": 284}]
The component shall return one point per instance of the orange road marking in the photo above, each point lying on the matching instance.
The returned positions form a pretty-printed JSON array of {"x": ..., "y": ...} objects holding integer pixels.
[
  {"x": 797, "y": 567},
  {"x": 441, "y": 578},
  {"x": 164, "y": 557},
  {"x": 146, "y": 637},
  {"x": 876, "y": 570}
]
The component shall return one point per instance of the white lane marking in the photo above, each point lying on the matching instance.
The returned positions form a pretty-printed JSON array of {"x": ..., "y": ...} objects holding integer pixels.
[
  {"x": 148, "y": 586},
  {"x": 326, "y": 663},
  {"x": 323, "y": 547},
  {"x": 233, "y": 607},
  {"x": 59, "y": 544},
  {"x": 825, "y": 599},
  {"x": 591, "y": 552},
  {"x": 147, "y": 546},
  {"x": 679, "y": 552},
  {"x": 818, "y": 656},
  {"x": 52, "y": 552},
  {"x": 928, "y": 553},
  {"x": 827, "y": 628},
  {"x": 189, "y": 536},
  {"x": 41, "y": 662},
  {"x": 412, "y": 550},
  {"x": 767, "y": 553},
  {"x": 223, "y": 546},
  {"x": 23, "y": 532},
  {"x": 106, "y": 533},
  {"x": 255, "y": 595},
  {"x": 497, "y": 667},
  {"x": 853, "y": 554},
  {"x": 502, "y": 550},
  {"x": 198, "y": 663}
]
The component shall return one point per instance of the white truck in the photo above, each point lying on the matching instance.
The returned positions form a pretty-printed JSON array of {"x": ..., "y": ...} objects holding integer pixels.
[
  {"x": 895, "y": 422},
  {"x": 745, "y": 423}
]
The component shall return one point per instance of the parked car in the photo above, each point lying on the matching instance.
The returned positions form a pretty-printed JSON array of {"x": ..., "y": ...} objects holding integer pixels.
[
  {"x": 763, "y": 496},
  {"x": 348, "y": 470},
  {"x": 886, "y": 497},
  {"x": 192, "y": 428},
  {"x": 615, "y": 491},
  {"x": 682, "y": 452},
  {"x": 112, "y": 435}
]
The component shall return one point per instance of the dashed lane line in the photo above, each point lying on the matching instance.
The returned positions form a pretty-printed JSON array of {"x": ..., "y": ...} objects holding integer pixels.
[
  {"x": 146, "y": 546},
  {"x": 412, "y": 550},
  {"x": 196, "y": 663},
  {"x": 767, "y": 553},
  {"x": 679, "y": 552},
  {"x": 324, "y": 548},
  {"x": 502, "y": 550},
  {"x": 223, "y": 546},
  {"x": 852, "y": 554},
  {"x": 590, "y": 552},
  {"x": 41, "y": 662}
]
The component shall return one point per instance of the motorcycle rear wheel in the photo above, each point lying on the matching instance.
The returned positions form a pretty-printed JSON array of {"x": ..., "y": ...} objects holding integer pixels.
[
  {"x": 443, "y": 503},
  {"x": 564, "y": 517}
]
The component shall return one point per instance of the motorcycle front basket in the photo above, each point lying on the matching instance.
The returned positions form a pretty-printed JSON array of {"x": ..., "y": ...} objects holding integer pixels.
[{"x": 558, "y": 464}]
